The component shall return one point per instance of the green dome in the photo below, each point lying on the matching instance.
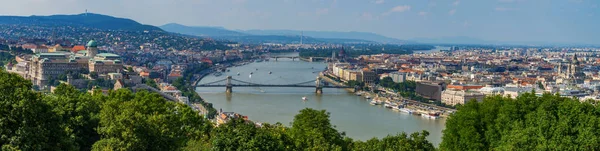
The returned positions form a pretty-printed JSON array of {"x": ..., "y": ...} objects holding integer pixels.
[{"x": 92, "y": 43}]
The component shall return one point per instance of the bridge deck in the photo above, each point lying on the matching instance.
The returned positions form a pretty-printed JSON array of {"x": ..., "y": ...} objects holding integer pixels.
[{"x": 297, "y": 86}]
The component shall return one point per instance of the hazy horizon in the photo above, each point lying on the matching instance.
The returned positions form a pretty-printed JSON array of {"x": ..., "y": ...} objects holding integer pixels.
[{"x": 554, "y": 21}]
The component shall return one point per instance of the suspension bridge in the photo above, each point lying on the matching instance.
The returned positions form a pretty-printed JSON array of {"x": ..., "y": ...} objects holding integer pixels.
[{"x": 230, "y": 82}]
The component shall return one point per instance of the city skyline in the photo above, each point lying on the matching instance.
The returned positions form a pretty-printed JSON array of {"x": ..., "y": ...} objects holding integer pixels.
[{"x": 569, "y": 21}]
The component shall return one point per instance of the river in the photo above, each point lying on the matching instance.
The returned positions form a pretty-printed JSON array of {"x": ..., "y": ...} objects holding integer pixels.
[
  {"x": 436, "y": 49},
  {"x": 350, "y": 113}
]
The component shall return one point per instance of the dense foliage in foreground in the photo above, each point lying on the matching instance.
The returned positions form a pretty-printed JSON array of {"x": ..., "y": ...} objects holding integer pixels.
[
  {"x": 529, "y": 122},
  {"x": 72, "y": 120}
]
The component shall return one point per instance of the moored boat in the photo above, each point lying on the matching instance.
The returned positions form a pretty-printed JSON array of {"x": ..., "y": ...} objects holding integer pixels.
[
  {"x": 431, "y": 115},
  {"x": 406, "y": 110}
]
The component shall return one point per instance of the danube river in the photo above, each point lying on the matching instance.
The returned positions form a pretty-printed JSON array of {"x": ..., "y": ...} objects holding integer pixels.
[{"x": 350, "y": 113}]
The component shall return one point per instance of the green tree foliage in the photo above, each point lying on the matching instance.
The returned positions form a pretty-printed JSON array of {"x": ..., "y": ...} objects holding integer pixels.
[
  {"x": 146, "y": 121},
  {"x": 400, "y": 142},
  {"x": 242, "y": 135},
  {"x": 94, "y": 75},
  {"x": 26, "y": 122},
  {"x": 354, "y": 83},
  {"x": 151, "y": 83},
  {"x": 78, "y": 114},
  {"x": 530, "y": 122},
  {"x": 312, "y": 130}
]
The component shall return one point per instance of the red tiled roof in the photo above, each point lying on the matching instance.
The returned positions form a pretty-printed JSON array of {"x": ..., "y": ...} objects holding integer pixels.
[{"x": 77, "y": 48}]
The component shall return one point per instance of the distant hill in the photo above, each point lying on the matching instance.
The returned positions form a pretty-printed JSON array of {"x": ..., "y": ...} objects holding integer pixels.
[
  {"x": 453, "y": 40},
  {"x": 225, "y": 34},
  {"x": 200, "y": 31},
  {"x": 86, "y": 20},
  {"x": 331, "y": 34},
  {"x": 287, "y": 39}
]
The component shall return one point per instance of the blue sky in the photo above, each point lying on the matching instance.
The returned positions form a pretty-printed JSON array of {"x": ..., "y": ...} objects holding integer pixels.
[{"x": 564, "y": 21}]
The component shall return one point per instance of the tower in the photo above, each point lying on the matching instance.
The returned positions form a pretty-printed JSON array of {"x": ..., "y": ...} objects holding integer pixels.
[
  {"x": 575, "y": 71},
  {"x": 92, "y": 49}
]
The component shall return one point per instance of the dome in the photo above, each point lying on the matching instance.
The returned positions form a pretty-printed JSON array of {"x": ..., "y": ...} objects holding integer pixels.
[{"x": 92, "y": 43}]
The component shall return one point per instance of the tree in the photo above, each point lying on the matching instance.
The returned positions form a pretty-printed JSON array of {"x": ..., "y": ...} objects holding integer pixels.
[
  {"x": 146, "y": 121},
  {"x": 26, "y": 122},
  {"x": 239, "y": 134},
  {"x": 312, "y": 130},
  {"x": 399, "y": 142},
  {"x": 151, "y": 83},
  {"x": 94, "y": 75},
  {"x": 78, "y": 114},
  {"x": 529, "y": 122}
]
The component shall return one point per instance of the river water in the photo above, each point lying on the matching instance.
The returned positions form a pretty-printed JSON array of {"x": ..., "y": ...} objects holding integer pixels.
[{"x": 350, "y": 113}]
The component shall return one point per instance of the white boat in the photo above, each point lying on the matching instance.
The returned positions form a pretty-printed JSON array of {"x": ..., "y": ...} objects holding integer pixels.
[
  {"x": 431, "y": 115},
  {"x": 396, "y": 108},
  {"x": 238, "y": 73},
  {"x": 304, "y": 98},
  {"x": 387, "y": 105},
  {"x": 367, "y": 97},
  {"x": 250, "y": 76},
  {"x": 405, "y": 110},
  {"x": 375, "y": 102},
  {"x": 358, "y": 94}
]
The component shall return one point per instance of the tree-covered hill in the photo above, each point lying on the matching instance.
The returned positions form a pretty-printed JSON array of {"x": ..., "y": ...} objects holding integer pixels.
[{"x": 89, "y": 20}]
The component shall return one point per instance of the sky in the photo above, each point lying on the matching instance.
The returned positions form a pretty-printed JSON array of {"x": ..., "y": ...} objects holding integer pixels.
[{"x": 550, "y": 21}]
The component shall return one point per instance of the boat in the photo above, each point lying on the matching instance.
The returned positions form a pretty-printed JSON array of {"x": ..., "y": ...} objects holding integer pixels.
[
  {"x": 387, "y": 105},
  {"x": 228, "y": 70},
  {"x": 367, "y": 97},
  {"x": 405, "y": 110},
  {"x": 270, "y": 72},
  {"x": 259, "y": 60},
  {"x": 358, "y": 94},
  {"x": 251, "y": 72},
  {"x": 238, "y": 73},
  {"x": 256, "y": 68},
  {"x": 218, "y": 74},
  {"x": 304, "y": 98},
  {"x": 431, "y": 115},
  {"x": 396, "y": 107},
  {"x": 375, "y": 102},
  {"x": 250, "y": 76}
]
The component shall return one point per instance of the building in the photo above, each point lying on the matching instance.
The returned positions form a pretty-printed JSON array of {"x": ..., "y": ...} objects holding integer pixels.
[
  {"x": 455, "y": 97},
  {"x": 398, "y": 76},
  {"x": 45, "y": 66},
  {"x": 104, "y": 63},
  {"x": 430, "y": 90},
  {"x": 368, "y": 76}
]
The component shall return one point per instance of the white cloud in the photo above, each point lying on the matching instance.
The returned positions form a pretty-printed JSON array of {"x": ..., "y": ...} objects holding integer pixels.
[
  {"x": 451, "y": 12},
  {"x": 400, "y": 8},
  {"x": 456, "y": 3},
  {"x": 423, "y": 13},
  {"x": 379, "y": 1}
]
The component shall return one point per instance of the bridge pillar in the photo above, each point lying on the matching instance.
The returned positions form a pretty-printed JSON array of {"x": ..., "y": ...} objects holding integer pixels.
[
  {"x": 275, "y": 58},
  {"x": 318, "y": 86},
  {"x": 228, "y": 86}
]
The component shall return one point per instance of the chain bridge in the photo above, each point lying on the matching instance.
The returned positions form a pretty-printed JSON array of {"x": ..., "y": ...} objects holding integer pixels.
[{"x": 230, "y": 82}]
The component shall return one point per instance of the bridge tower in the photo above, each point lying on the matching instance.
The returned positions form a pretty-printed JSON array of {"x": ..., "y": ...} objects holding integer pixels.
[
  {"x": 228, "y": 86},
  {"x": 319, "y": 87}
]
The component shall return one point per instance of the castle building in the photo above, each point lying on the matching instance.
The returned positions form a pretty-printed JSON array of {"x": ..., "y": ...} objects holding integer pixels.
[{"x": 46, "y": 66}]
